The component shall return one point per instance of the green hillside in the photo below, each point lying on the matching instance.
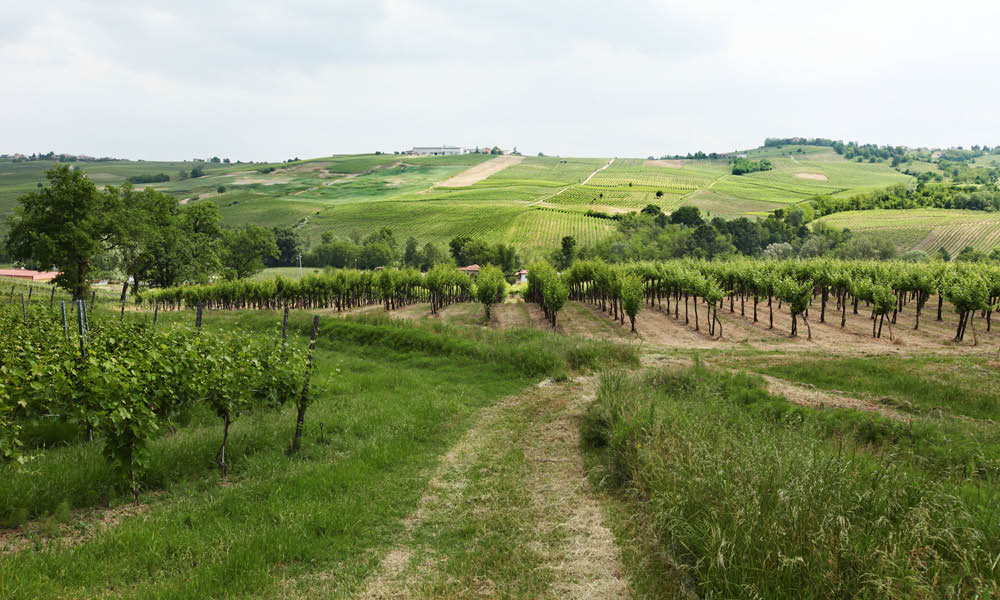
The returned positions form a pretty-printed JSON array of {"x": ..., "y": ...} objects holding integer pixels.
[{"x": 531, "y": 204}]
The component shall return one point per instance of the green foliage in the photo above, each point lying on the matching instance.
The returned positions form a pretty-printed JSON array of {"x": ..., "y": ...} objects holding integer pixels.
[
  {"x": 133, "y": 382},
  {"x": 742, "y": 166},
  {"x": 829, "y": 518},
  {"x": 245, "y": 250},
  {"x": 62, "y": 226},
  {"x": 490, "y": 287}
]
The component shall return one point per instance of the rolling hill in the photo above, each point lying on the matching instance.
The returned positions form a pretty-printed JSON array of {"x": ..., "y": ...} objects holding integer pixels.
[{"x": 531, "y": 202}]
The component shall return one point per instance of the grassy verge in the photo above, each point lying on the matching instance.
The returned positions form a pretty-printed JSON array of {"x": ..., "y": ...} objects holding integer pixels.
[
  {"x": 960, "y": 386},
  {"x": 753, "y": 497},
  {"x": 390, "y": 399}
]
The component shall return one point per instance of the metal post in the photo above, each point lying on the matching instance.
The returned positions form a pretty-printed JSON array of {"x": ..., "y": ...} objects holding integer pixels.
[
  {"x": 52, "y": 296},
  {"x": 197, "y": 320},
  {"x": 93, "y": 296},
  {"x": 156, "y": 311},
  {"x": 83, "y": 309},
  {"x": 24, "y": 310},
  {"x": 65, "y": 328},
  {"x": 284, "y": 328}
]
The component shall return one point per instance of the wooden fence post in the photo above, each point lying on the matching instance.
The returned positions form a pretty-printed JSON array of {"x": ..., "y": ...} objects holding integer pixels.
[
  {"x": 65, "y": 329},
  {"x": 52, "y": 296},
  {"x": 24, "y": 310},
  {"x": 197, "y": 319},
  {"x": 156, "y": 311}
]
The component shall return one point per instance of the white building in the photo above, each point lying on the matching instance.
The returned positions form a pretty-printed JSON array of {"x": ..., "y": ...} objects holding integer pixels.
[{"x": 436, "y": 150}]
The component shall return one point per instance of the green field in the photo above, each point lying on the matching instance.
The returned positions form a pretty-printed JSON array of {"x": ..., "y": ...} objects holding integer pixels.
[
  {"x": 926, "y": 229},
  {"x": 343, "y": 194}
]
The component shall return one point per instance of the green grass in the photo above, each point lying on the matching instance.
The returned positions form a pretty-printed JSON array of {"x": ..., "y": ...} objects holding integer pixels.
[
  {"x": 390, "y": 398},
  {"x": 958, "y": 386},
  {"x": 752, "y": 496}
]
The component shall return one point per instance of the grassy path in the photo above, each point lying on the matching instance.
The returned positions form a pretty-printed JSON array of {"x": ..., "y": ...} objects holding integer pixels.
[{"x": 508, "y": 511}]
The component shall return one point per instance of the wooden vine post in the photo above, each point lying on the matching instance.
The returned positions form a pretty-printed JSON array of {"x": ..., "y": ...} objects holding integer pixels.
[
  {"x": 62, "y": 305},
  {"x": 304, "y": 398}
]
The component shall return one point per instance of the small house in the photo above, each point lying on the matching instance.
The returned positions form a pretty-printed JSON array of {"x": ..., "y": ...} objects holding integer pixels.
[
  {"x": 521, "y": 276},
  {"x": 471, "y": 270}
]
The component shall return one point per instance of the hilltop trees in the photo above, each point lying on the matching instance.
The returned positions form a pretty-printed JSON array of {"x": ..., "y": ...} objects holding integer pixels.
[{"x": 63, "y": 225}]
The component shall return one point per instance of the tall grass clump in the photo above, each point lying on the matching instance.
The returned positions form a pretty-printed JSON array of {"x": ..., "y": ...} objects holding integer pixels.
[{"x": 755, "y": 502}]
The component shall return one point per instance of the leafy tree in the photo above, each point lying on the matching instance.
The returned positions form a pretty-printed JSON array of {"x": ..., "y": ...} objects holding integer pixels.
[
  {"x": 245, "y": 249},
  {"x": 867, "y": 248},
  {"x": 568, "y": 252},
  {"x": 63, "y": 225},
  {"x": 431, "y": 255},
  {"x": 631, "y": 295},
  {"x": 378, "y": 254},
  {"x": 689, "y": 216},
  {"x": 197, "y": 171},
  {"x": 411, "y": 255},
  {"x": 289, "y": 247},
  {"x": 143, "y": 221},
  {"x": 943, "y": 254},
  {"x": 707, "y": 242},
  {"x": 779, "y": 251},
  {"x": 652, "y": 209},
  {"x": 490, "y": 287}
]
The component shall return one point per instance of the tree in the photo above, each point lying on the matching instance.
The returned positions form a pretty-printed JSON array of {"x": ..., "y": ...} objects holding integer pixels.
[
  {"x": 490, "y": 286},
  {"x": 143, "y": 220},
  {"x": 411, "y": 255},
  {"x": 689, "y": 216},
  {"x": 289, "y": 247},
  {"x": 64, "y": 226},
  {"x": 431, "y": 255},
  {"x": 652, "y": 209},
  {"x": 943, "y": 254},
  {"x": 197, "y": 171},
  {"x": 631, "y": 295},
  {"x": 244, "y": 250},
  {"x": 568, "y": 251}
]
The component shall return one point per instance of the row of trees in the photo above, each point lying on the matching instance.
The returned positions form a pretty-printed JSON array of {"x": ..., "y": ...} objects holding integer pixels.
[
  {"x": 71, "y": 226},
  {"x": 885, "y": 288},
  {"x": 921, "y": 196}
]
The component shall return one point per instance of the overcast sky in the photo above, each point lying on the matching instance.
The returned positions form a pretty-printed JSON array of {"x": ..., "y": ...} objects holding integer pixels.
[{"x": 266, "y": 80}]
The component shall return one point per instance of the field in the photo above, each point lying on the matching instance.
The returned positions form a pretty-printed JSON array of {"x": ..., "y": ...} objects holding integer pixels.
[
  {"x": 447, "y": 455},
  {"x": 926, "y": 229},
  {"x": 409, "y": 194}
]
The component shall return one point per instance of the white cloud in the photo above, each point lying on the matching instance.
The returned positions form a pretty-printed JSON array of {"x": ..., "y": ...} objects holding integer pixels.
[{"x": 257, "y": 80}]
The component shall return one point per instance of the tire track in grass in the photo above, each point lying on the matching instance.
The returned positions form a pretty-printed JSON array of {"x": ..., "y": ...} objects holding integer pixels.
[{"x": 508, "y": 511}]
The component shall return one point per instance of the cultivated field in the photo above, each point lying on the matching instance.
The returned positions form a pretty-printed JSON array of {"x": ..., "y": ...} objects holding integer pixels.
[{"x": 926, "y": 229}]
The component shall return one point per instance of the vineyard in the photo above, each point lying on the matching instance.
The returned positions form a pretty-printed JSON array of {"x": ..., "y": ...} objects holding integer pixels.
[
  {"x": 126, "y": 383},
  {"x": 926, "y": 229}
]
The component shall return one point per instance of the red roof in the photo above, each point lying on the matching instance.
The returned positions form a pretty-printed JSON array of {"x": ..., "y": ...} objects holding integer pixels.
[
  {"x": 470, "y": 269},
  {"x": 29, "y": 274},
  {"x": 522, "y": 272}
]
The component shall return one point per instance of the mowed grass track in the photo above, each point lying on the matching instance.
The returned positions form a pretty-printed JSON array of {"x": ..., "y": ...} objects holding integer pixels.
[{"x": 927, "y": 229}]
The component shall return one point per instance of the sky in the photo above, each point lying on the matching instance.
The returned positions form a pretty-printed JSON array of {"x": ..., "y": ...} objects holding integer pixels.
[{"x": 255, "y": 80}]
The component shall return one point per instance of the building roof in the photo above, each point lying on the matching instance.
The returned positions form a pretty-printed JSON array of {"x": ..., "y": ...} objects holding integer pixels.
[
  {"x": 29, "y": 274},
  {"x": 470, "y": 269},
  {"x": 522, "y": 272}
]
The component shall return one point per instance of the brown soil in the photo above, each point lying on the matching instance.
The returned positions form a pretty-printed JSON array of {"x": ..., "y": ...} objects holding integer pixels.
[
  {"x": 813, "y": 176},
  {"x": 481, "y": 171}
]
